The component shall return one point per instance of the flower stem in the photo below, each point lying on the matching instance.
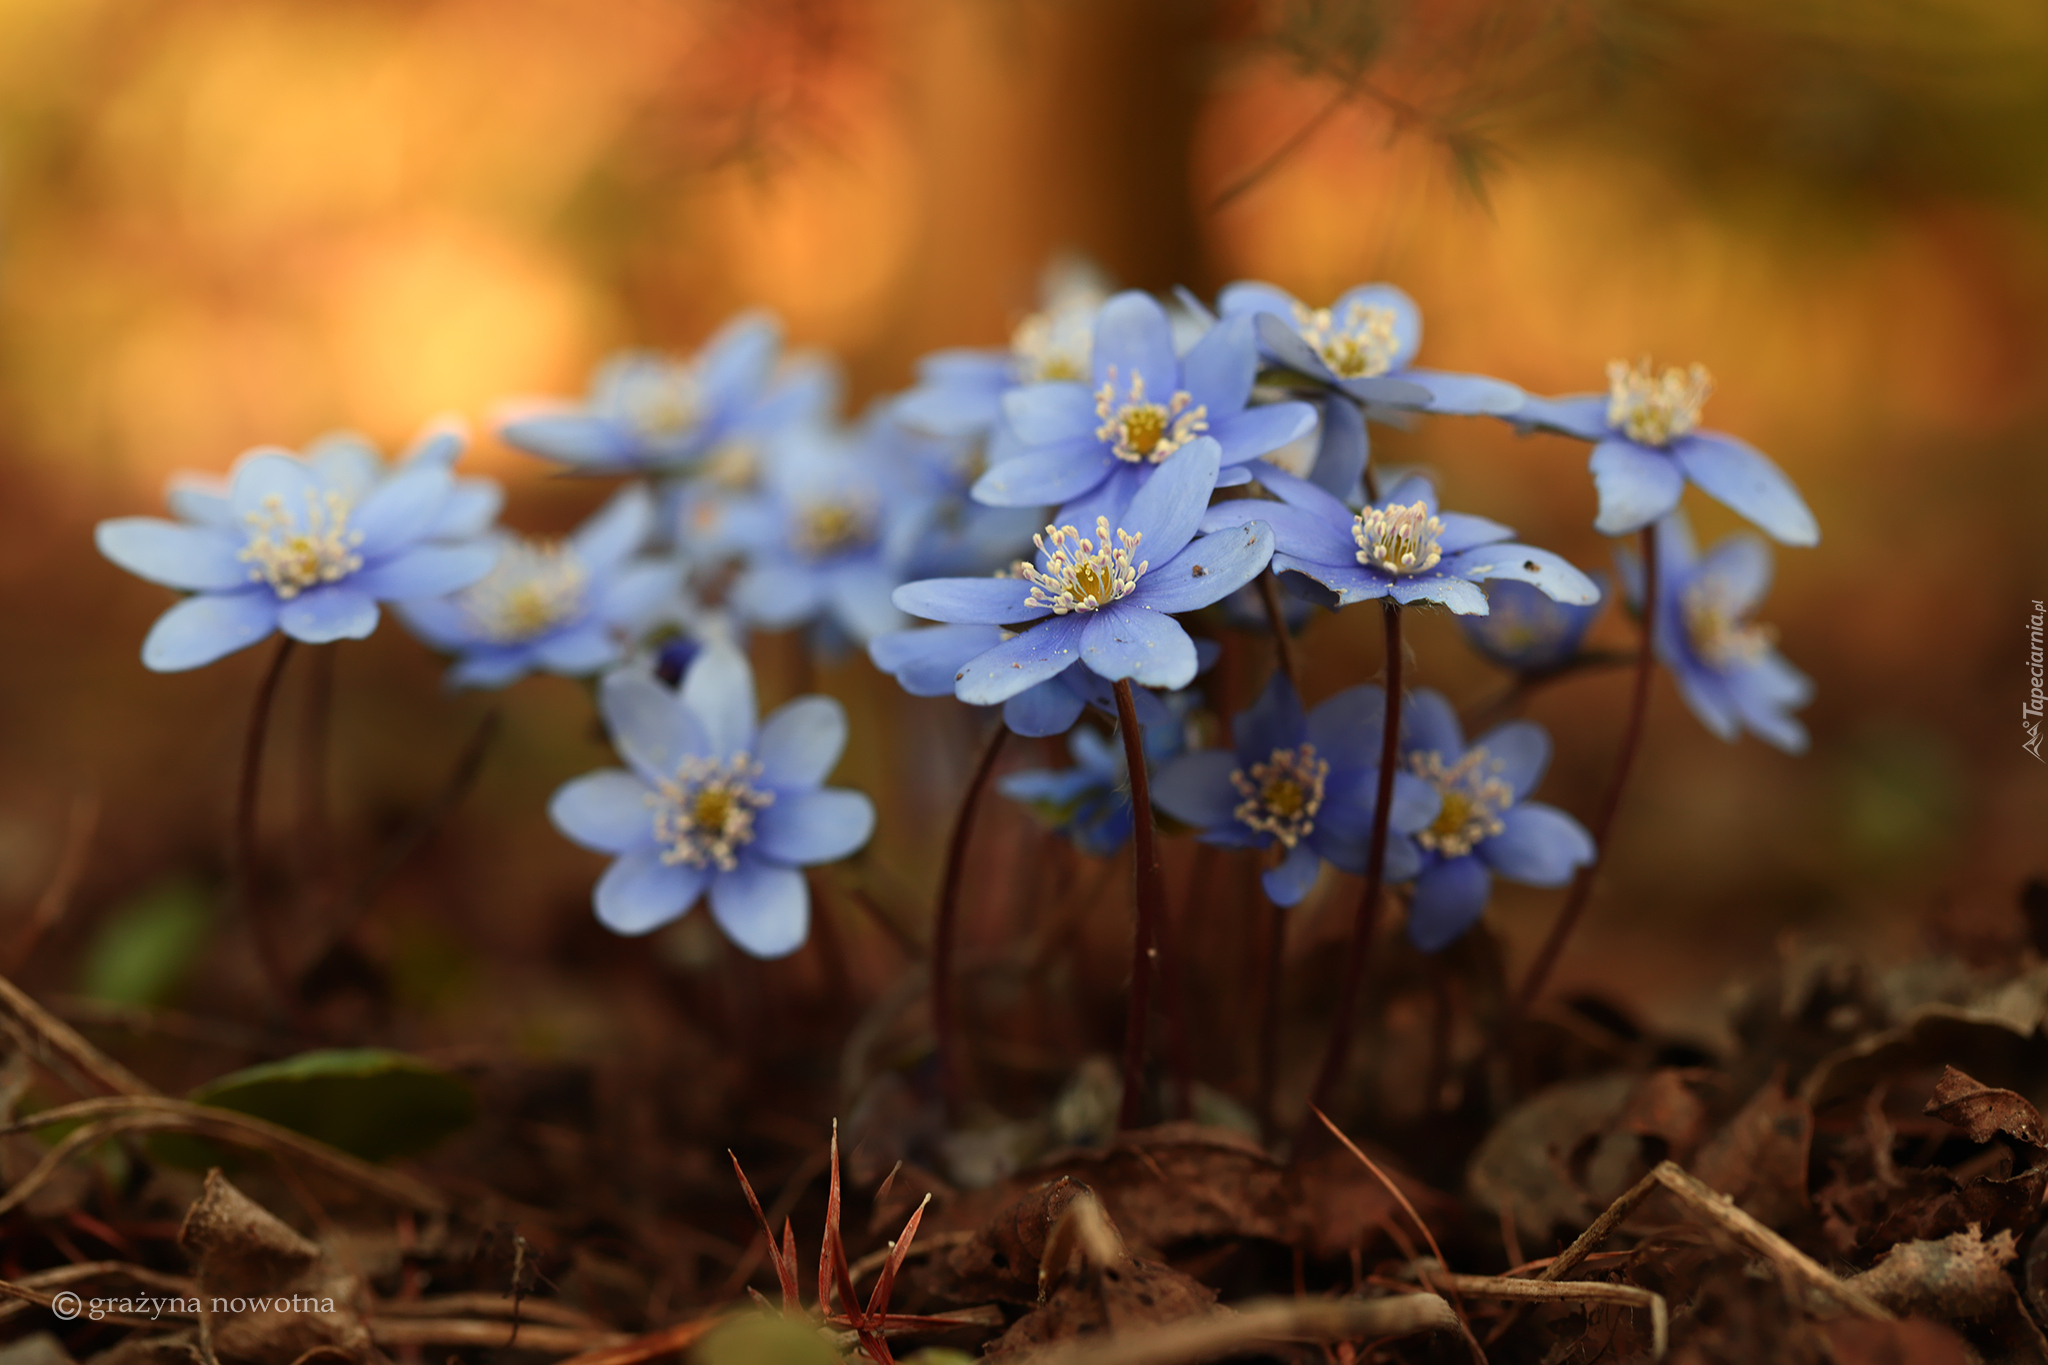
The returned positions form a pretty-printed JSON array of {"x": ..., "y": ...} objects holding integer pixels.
[
  {"x": 1631, "y": 738},
  {"x": 1366, "y": 923},
  {"x": 1173, "y": 971},
  {"x": 952, "y": 1077},
  {"x": 1150, "y": 906},
  {"x": 1269, "y": 1009},
  {"x": 1283, "y": 643},
  {"x": 242, "y": 852},
  {"x": 315, "y": 827}
]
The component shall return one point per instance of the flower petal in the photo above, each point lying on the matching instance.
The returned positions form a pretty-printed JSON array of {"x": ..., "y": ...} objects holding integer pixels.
[
  {"x": 1134, "y": 338},
  {"x": 739, "y": 357},
  {"x": 579, "y": 651},
  {"x": 1743, "y": 477},
  {"x": 471, "y": 508},
  {"x": 399, "y": 510},
  {"x": 1538, "y": 845},
  {"x": 859, "y": 595},
  {"x": 1042, "y": 476},
  {"x": 615, "y": 531},
  {"x": 330, "y": 612},
  {"x": 968, "y": 601},
  {"x": 925, "y": 658},
  {"x": 1195, "y": 788},
  {"x": 1291, "y": 881},
  {"x": 1279, "y": 339},
  {"x": 804, "y": 828},
  {"x": 1208, "y": 570},
  {"x": 763, "y": 908},
  {"x": 1463, "y": 531},
  {"x": 1345, "y": 726},
  {"x": 425, "y": 571},
  {"x": 1342, "y": 449},
  {"x": 194, "y": 558},
  {"x": 1262, "y": 430},
  {"x": 1392, "y": 299},
  {"x": 606, "y": 811},
  {"x": 574, "y": 438},
  {"x": 1460, "y": 596},
  {"x": 1126, "y": 641},
  {"x": 1740, "y": 568},
  {"x": 1273, "y": 721},
  {"x": 801, "y": 742},
  {"x": 1520, "y": 751},
  {"x": 1468, "y": 395},
  {"x": 1637, "y": 485},
  {"x": 1050, "y": 708},
  {"x": 640, "y": 892},
  {"x": 1429, "y": 724},
  {"x": 1050, "y": 414},
  {"x": 1449, "y": 899},
  {"x": 1219, "y": 370},
  {"x": 648, "y": 724},
  {"x": 1017, "y": 663},
  {"x": 1554, "y": 575},
  {"x": 1248, "y": 298},
  {"x": 266, "y": 473},
  {"x": 201, "y": 629},
  {"x": 1583, "y": 415},
  {"x": 718, "y": 689},
  {"x": 1165, "y": 512}
]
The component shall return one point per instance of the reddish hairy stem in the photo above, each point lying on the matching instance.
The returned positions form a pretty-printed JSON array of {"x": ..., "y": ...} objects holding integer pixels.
[
  {"x": 945, "y": 1027},
  {"x": 1269, "y": 1009},
  {"x": 1367, "y": 922},
  {"x": 1150, "y": 898},
  {"x": 242, "y": 852},
  {"x": 1276, "y": 619},
  {"x": 1603, "y": 825},
  {"x": 1173, "y": 969}
]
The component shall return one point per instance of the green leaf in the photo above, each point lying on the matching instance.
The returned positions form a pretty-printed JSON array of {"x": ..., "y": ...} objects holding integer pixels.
[
  {"x": 764, "y": 1339},
  {"x": 145, "y": 948},
  {"x": 369, "y": 1102}
]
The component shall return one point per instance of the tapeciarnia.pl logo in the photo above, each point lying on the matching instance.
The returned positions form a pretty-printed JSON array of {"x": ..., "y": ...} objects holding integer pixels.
[{"x": 2030, "y": 711}]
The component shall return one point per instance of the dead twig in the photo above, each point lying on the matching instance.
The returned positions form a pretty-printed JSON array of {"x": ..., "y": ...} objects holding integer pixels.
[
  {"x": 50, "y": 1035},
  {"x": 1258, "y": 1322},
  {"x": 409, "y": 1331},
  {"x": 1565, "y": 1291},
  {"x": 63, "y": 1276}
]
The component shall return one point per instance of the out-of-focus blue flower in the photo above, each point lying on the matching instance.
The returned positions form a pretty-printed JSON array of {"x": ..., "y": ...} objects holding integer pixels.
[
  {"x": 308, "y": 546},
  {"x": 1090, "y": 802},
  {"x": 710, "y": 802},
  {"x": 1304, "y": 782},
  {"x": 1648, "y": 445},
  {"x": 1401, "y": 548},
  {"x": 926, "y": 661},
  {"x": 1727, "y": 667},
  {"x": 649, "y": 413},
  {"x": 1485, "y": 824},
  {"x": 1525, "y": 630},
  {"x": 1106, "y": 601},
  {"x": 1090, "y": 447},
  {"x": 1363, "y": 347},
  {"x": 572, "y": 607}
]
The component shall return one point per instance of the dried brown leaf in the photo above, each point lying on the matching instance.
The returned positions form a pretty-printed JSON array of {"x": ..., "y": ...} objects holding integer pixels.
[{"x": 1984, "y": 1111}]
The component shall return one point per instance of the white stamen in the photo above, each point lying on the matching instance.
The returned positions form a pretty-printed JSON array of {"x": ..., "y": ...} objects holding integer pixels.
[
  {"x": 664, "y": 401},
  {"x": 535, "y": 586},
  {"x": 1059, "y": 342},
  {"x": 291, "y": 554},
  {"x": 1283, "y": 794},
  {"x": 1359, "y": 347},
  {"x": 1401, "y": 540},
  {"x": 1653, "y": 408},
  {"x": 1141, "y": 432},
  {"x": 1473, "y": 794},
  {"x": 706, "y": 814},
  {"x": 1082, "y": 574}
]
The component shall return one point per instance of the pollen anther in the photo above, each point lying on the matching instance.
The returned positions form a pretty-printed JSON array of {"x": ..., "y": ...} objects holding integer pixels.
[
  {"x": 1082, "y": 574},
  {"x": 1400, "y": 540},
  {"x": 1474, "y": 795},
  {"x": 1140, "y": 431},
  {"x": 1282, "y": 794},
  {"x": 1652, "y": 408},
  {"x": 705, "y": 814},
  {"x": 292, "y": 554},
  {"x": 1360, "y": 346}
]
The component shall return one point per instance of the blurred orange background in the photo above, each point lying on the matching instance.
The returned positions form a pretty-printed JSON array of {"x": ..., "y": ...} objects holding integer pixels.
[{"x": 226, "y": 222}]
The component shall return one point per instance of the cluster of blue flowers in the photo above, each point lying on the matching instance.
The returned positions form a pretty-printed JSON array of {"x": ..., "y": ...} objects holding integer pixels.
[{"x": 1056, "y": 511}]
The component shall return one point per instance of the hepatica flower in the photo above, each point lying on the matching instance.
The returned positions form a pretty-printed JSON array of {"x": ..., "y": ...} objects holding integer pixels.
[
  {"x": 572, "y": 606},
  {"x": 1090, "y": 446},
  {"x": 1485, "y": 824},
  {"x": 711, "y": 803},
  {"x": 653, "y": 413},
  {"x": 1300, "y": 784},
  {"x": 1648, "y": 444},
  {"x": 1525, "y": 630},
  {"x": 1090, "y": 803},
  {"x": 294, "y": 545},
  {"x": 1727, "y": 666},
  {"x": 1106, "y": 596},
  {"x": 1403, "y": 548},
  {"x": 926, "y": 662}
]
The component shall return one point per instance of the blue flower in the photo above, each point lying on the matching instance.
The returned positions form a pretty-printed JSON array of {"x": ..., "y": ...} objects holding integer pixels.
[
  {"x": 1525, "y": 630},
  {"x": 648, "y": 412},
  {"x": 1362, "y": 346},
  {"x": 1401, "y": 548},
  {"x": 926, "y": 661},
  {"x": 306, "y": 547},
  {"x": 709, "y": 801},
  {"x": 572, "y": 607},
  {"x": 1648, "y": 444},
  {"x": 1090, "y": 802},
  {"x": 1726, "y": 666},
  {"x": 1106, "y": 601},
  {"x": 1303, "y": 782},
  {"x": 1090, "y": 447},
  {"x": 1485, "y": 823}
]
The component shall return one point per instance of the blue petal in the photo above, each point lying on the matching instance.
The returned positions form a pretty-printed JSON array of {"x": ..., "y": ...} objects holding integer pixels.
[
  {"x": 1740, "y": 568},
  {"x": 1637, "y": 485},
  {"x": 471, "y": 508},
  {"x": 640, "y": 892},
  {"x": 425, "y": 571},
  {"x": 1520, "y": 751},
  {"x": 1044, "y": 475},
  {"x": 1050, "y": 414},
  {"x": 1051, "y": 787},
  {"x": 1273, "y": 721},
  {"x": 1262, "y": 430},
  {"x": 648, "y": 725},
  {"x": 925, "y": 659},
  {"x": 1455, "y": 593},
  {"x": 738, "y": 359},
  {"x": 1134, "y": 337},
  {"x": 1196, "y": 789},
  {"x": 1126, "y": 641},
  {"x": 764, "y": 909},
  {"x": 1050, "y": 708},
  {"x": 202, "y": 500},
  {"x": 1345, "y": 727},
  {"x": 778, "y": 595},
  {"x": 201, "y": 629},
  {"x": 1468, "y": 395},
  {"x": 1343, "y": 449},
  {"x": 1348, "y": 582},
  {"x": 577, "y": 652},
  {"x": 1449, "y": 899},
  {"x": 1046, "y": 649},
  {"x": 1279, "y": 339},
  {"x": 606, "y": 811},
  {"x": 266, "y": 473},
  {"x": 616, "y": 531},
  {"x": 639, "y": 595},
  {"x": 807, "y": 827},
  {"x": 1208, "y": 570},
  {"x": 1742, "y": 477},
  {"x": 1295, "y": 531},
  {"x": 1165, "y": 512},
  {"x": 1429, "y": 724},
  {"x": 330, "y": 612},
  {"x": 195, "y": 558},
  {"x": 1416, "y": 803},
  {"x": 1403, "y": 859},
  {"x": 1219, "y": 370},
  {"x": 1583, "y": 415},
  {"x": 1557, "y": 577},
  {"x": 860, "y": 600},
  {"x": 1248, "y": 298},
  {"x": 399, "y": 510},
  {"x": 800, "y": 743},
  {"x": 968, "y": 601},
  {"x": 718, "y": 689},
  {"x": 1538, "y": 845},
  {"x": 1412, "y": 488},
  {"x": 1463, "y": 531},
  {"x": 575, "y": 438},
  {"x": 1291, "y": 881},
  {"x": 1706, "y": 695},
  {"x": 1309, "y": 497},
  {"x": 440, "y": 442}
]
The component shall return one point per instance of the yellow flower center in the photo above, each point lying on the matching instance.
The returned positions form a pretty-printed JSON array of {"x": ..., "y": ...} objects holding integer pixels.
[
  {"x": 1358, "y": 346},
  {"x": 291, "y": 553},
  {"x": 1719, "y": 635},
  {"x": 1082, "y": 574},
  {"x": 1059, "y": 343},
  {"x": 1400, "y": 540},
  {"x": 1140, "y": 431},
  {"x": 1282, "y": 795},
  {"x": 1474, "y": 795},
  {"x": 734, "y": 465},
  {"x": 1652, "y": 408},
  {"x": 534, "y": 587},
  {"x": 706, "y": 814},
  {"x": 833, "y": 526},
  {"x": 665, "y": 403}
]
